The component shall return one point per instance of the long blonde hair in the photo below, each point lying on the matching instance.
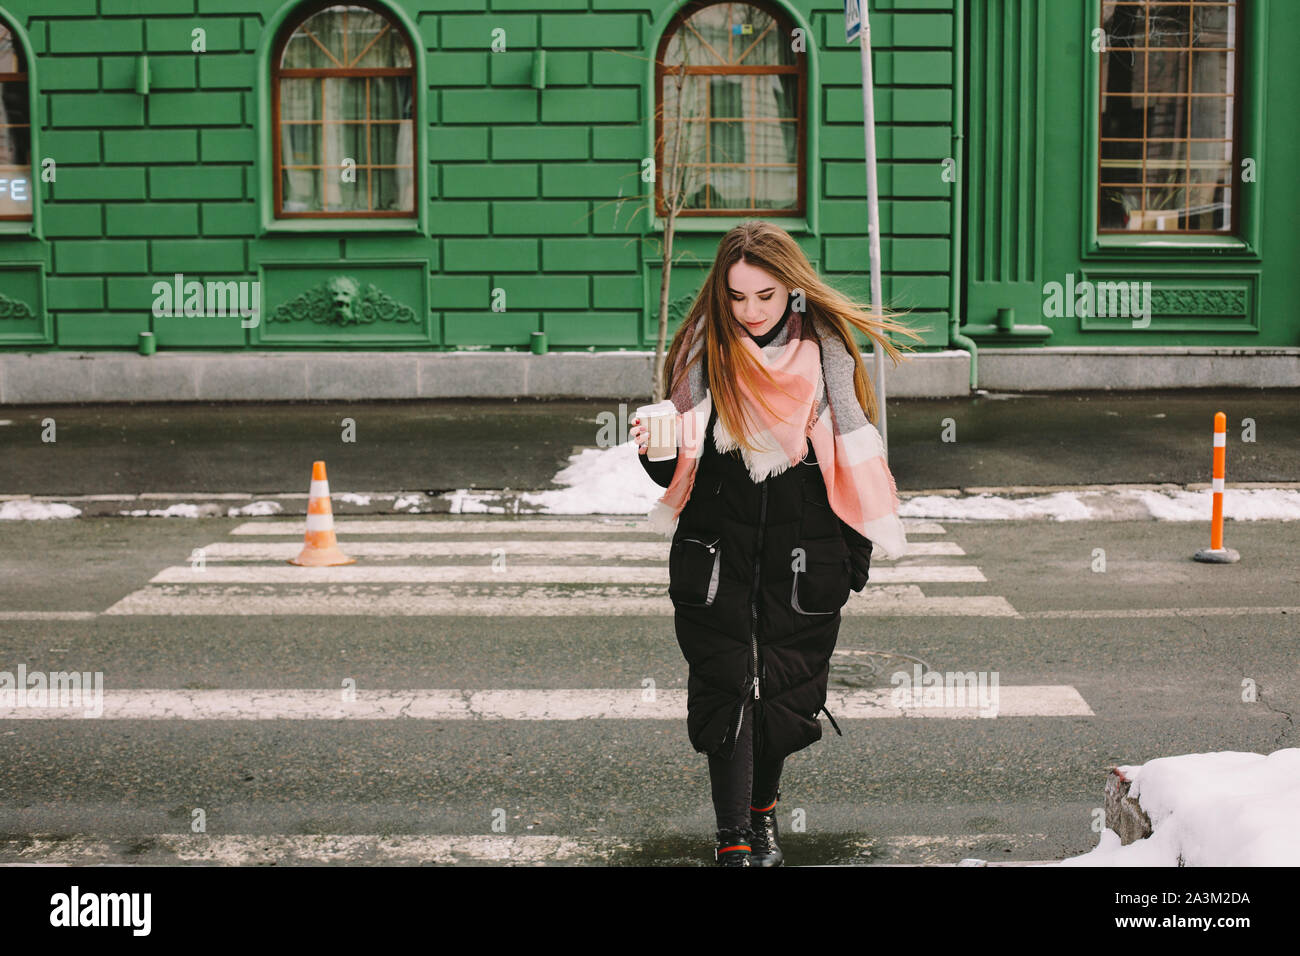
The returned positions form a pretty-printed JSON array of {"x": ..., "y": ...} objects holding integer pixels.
[{"x": 769, "y": 247}]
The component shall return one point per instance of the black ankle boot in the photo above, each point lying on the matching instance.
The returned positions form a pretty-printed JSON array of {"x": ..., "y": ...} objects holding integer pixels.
[
  {"x": 764, "y": 849},
  {"x": 733, "y": 847}
]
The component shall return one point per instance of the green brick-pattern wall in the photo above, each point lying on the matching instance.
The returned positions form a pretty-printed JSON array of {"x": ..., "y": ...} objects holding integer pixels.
[
  {"x": 915, "y": 117},
  {"x": 521, "y": 183}
]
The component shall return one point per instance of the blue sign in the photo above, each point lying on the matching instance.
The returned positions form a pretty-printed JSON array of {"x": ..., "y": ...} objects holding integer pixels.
[{"x": 852, "y": 20}]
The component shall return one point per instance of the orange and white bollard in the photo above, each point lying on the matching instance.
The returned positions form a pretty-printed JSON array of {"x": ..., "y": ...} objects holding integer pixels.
[
  {"x": 320, "y": 547},
  {"x": 1216, "y": 553}
]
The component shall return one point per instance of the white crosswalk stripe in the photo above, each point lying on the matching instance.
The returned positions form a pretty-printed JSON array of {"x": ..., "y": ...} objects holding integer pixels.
[
  {"x": 454, "y": 525},
  {"x": 486, "y": 572},
  {"x": 258, "y": 849},
  {"x": 501, "y": 600},
  {"x": 254, "y": 849},
  {"x": 584, "y": 550},
  {"x": 564, "y": 704}
]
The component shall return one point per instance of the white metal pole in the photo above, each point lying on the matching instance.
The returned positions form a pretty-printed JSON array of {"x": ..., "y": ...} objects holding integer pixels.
[{"x": 873, "y": 209}]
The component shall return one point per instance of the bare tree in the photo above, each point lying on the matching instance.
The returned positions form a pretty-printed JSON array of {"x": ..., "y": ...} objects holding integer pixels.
[
  {"x": 676, "y": 189},
  {"x": 679, "y": 184}
]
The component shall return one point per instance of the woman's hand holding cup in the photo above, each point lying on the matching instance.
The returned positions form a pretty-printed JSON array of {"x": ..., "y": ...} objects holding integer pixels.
[{"x": 655, "y": 432}]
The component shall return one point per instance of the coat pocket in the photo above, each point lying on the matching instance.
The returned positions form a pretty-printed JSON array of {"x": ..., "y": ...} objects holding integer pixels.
[
  {"x": 818, "y": 520},
  {"x": 821, "y": 587},
  {"x": 694, "y": 566}
]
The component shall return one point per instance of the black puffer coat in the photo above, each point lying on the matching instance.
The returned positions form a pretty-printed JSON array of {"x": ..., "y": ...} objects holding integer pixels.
[{"x": 751, "y": 619}]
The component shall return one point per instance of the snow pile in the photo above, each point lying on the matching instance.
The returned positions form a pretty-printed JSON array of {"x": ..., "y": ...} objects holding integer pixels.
[
  {"x": 1240, "y": 504},
  {"x": 611, "y": 481},
  {"x": 1229, "y": 808},
  {"x": 1059, "y": 506},
  {"x": 22, "y": 509},
  {"x": 255, "y": 508},
  {"x": 600, "y": 481}
]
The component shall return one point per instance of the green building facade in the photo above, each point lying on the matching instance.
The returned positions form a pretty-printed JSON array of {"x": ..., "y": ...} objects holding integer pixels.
[{"x": 461, "y": 174}]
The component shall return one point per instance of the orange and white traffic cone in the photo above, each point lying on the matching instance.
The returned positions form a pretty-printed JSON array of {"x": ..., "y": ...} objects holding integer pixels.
[{"x": 320, "y": 548}]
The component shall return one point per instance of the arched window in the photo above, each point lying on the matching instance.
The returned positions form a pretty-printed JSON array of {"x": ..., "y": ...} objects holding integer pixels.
[
  {"x": 344, "y": 87},
  {"x": 15, "y": 130},
  {"x": 740, "y": 113}
]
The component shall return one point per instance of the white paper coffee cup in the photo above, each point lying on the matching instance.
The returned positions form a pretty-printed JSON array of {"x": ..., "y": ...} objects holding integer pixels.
[{"x": 661, "y": 422}]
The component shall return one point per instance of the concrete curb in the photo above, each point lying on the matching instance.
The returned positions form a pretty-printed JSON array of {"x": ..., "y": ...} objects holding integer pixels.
[
  {"x": 1137, "y": 367},
  {"x": 50, "y": 377},
  {"x": 33, "y": 378},
  {"x": 513, "y": 502}
]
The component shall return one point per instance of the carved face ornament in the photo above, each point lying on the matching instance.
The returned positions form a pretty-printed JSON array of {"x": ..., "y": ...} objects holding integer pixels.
[{"x": 343, "y": 291}]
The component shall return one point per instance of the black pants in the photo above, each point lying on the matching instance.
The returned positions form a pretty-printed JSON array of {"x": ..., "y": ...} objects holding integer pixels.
[{"x": 741, "y": 782}]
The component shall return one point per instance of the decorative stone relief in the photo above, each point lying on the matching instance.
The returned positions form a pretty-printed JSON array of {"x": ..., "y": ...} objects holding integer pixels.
[
  {"x": 15, "y": 308},
  {"x": 1198, "y": 301},
  {"x": 344, "y": 301}
]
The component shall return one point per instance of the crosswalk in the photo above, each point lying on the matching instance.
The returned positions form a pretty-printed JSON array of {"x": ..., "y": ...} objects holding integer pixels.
[
  {"x": 501, "y": 568},
  {"x": 534, "y": 567}
]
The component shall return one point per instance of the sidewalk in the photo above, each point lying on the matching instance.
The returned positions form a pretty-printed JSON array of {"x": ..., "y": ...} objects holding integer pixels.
[{"x": 201, "y": 450}]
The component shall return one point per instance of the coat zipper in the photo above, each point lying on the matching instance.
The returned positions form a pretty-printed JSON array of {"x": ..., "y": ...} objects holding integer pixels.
[
  {"x": 753, "y": 632},
  {"x": 758, "y": 561}
]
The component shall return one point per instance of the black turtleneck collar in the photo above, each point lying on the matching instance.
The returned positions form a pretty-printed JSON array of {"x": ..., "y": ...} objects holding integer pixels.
[{"x": 773, "y": 332}]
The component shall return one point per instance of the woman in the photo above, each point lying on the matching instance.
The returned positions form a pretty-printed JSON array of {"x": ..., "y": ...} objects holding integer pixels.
[{"x": 769, "y": 530}]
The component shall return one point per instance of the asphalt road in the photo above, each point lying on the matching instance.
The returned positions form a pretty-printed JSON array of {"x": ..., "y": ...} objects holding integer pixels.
[
  {"x": 990, "y": 439},
  {"x": 1159, "y": 677}
]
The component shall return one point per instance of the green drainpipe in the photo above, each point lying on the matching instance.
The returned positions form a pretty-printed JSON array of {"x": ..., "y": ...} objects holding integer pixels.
[{"x": 955, "y": 337}]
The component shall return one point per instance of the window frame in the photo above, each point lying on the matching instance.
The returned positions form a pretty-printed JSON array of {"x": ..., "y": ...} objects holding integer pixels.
[
  {"x": 1243, "y": 241},
  {"x": 279, "y": 29},
  {"x": 799, "y": 219},
  {"x": 26, "y": 225}
]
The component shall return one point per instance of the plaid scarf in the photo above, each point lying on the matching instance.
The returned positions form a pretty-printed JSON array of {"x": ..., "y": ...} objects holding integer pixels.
[{"x": 815, "y": 368}]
